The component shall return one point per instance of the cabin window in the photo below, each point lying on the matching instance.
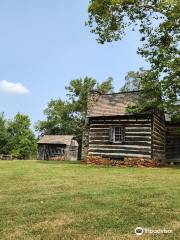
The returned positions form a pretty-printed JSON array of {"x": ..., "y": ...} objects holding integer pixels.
[{"x": 117, "y": 134}]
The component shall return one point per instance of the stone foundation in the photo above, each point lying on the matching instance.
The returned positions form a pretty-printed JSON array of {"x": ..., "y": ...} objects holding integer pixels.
[
  {"x": 127, "y": 161},
  {"x": 95, "y": 160},
  {"x": 58, "y": 158}
]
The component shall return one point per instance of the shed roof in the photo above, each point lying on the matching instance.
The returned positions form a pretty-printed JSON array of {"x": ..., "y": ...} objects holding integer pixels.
[
  {"x": 112, "y": 104},
  {"x": 57, "y": 139}
]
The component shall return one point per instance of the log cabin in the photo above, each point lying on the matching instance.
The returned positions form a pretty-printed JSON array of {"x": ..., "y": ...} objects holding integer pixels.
[
  {"x": 172, "y": 142},
  {"x": 57, "y": 147},
  {"x": 112, "y": 132}
]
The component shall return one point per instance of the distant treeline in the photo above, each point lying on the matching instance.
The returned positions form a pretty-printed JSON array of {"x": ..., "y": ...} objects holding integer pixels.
[{"x": 16, "y": 137}]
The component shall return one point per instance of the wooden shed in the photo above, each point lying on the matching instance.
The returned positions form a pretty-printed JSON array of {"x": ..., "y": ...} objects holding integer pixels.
[
  {"x": 111, "y": 131},
  {"x": 60, "y": 147}
]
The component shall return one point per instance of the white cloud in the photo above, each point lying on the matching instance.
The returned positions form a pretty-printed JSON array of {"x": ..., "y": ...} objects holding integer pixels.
[{"x": 10, "y": 87}]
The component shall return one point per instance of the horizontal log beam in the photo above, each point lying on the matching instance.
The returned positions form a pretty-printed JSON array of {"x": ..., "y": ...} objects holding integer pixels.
[
  {"x": 143, "y": 128},
  {"x": 125, "y": 151},
  {"x": 131, "y": 138},
  {"x": 138, "y": 130},
  {"x": 145, "y": 120},
  {"x": 140, "y": 143},
  {"x": 128, "y": 134},
  {"x": 119, "y": 155},
  {"x": 137, "y": 133},
  {"x": 119, "y": 146},
  {"x": 156, "y": 126},
  {"x": 158, "y": 142},
  {"x": 127, "y": 124},
  {"x": 159, "y": 122}
]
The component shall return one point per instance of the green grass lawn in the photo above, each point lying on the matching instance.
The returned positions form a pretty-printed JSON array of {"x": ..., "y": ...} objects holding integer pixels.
[{"x": 53, "y": 200}]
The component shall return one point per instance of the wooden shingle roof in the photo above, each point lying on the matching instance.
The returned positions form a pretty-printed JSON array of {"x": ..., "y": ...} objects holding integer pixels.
[
  {"x": 112, "y": 104},
  {"x": 57, "y": 139}
]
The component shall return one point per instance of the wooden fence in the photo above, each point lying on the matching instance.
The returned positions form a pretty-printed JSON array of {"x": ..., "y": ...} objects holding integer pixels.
[{"x": 6, "y": 157}]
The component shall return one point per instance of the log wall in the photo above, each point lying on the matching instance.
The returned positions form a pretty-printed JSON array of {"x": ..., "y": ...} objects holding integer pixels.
[
  {"x": 173, "y": 143},
  {"x": 57, "y": 151},
  {"x": 158, "y": 138},
  {"x": 138, "y": 137}
]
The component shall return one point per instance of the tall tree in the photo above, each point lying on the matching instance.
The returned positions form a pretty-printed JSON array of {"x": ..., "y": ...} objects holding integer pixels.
[
  {"x": 61, "y": 118},
  {"x": 4, "y": 146},
  {"x": 79, "y": 89},
  {"x": 69, "y": 117},
  {"x": 22, "y": 140},
  {"x": 158, "y": 23},
  {"x": 133, "y": 80},
  {"x": 149, "y": 97}
]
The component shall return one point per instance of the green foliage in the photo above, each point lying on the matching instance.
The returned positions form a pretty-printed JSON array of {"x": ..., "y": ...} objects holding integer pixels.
[
  {"x": 69, "y": 117},
  {"x": 16, "y": 137},
  {"x": 133, "y": 81},
  {"x": 158, "y": 23},
  {"x": 61, "y": 118},
  {"x": 133, "y": 109},
  {"x": 79, "y": 89},
  {"x": 77, "y": 92},
  {"x": 3, "y": 135},
  {"x": 149, "y": 96},
  {"x": 21, "y": 138}
]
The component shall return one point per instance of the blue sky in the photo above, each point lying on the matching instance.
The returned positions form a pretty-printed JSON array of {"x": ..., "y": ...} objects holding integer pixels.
[{"x": 44, "y": 44}]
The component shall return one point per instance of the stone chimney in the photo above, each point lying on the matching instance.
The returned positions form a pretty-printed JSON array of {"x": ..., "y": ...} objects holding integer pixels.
[{"x": 93, "y": 97}]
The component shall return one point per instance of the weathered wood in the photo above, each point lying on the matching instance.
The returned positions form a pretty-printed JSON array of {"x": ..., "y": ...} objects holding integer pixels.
[
  {"x": 119, "y": 118},
  {"x": 6, "y": 157},
  {"x": 158, "y": 138},
  {"x": 173, "y": 142},
  {"x": 120, "y": 124},
  {"x": 127, "y": 134},
  {"x": 137, "y": 137},
  {"x": 140, "y": 143},
  {"x": 115, "y": 155},
  {"x": 125, "y": 151},
  {"x": 139, "y": 128},
  {"x": 138, "y": 134},
  {"x": 56, "y": 151},
  {"x": 127, "y": 137},
  {"x": 98, "y": 137},
  {"x": 144, "y": 133},
  {"x": 119, "y": 146}
]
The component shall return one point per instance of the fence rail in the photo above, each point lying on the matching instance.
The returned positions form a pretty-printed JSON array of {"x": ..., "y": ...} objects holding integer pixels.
[{"x": 6, "y": 157}]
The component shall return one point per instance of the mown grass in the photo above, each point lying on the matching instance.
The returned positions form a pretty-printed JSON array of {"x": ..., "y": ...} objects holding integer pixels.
[{"x": 53, "y": 200}]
